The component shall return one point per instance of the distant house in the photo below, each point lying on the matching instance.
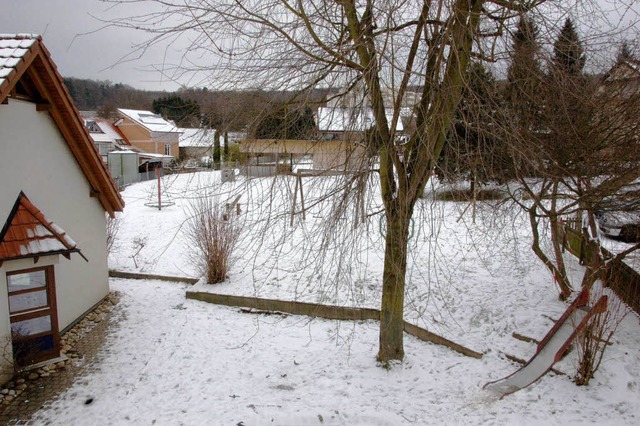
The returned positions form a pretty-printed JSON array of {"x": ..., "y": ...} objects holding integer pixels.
[
  {"x": 104, "y": 134},
  {"x": 348, "y": 124},
  {"x": 340, "y": 144},
  {"x": 149, "y": 132},
  {"x": 54, "y": 194},
  {"x": 623, "y": 79},
  {"x": 197, "y": 143}
]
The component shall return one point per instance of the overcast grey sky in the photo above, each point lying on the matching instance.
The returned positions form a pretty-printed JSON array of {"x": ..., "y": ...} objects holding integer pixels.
[{"x": 81, "y": 47}]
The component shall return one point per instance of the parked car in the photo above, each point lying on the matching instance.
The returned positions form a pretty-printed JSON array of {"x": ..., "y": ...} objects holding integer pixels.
[
  {"x": 620, "y": 225},
  {"x": 619, "y": 216}
]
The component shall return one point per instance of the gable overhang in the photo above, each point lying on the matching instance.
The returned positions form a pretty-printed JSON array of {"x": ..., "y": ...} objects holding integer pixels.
[
  {"x": 38, "y": 66},
  {"x": 27, "y": 233}
]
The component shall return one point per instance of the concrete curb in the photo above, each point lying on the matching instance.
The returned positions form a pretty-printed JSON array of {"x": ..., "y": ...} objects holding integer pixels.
[
  {"x": 299, "y": 308},
  {"x": 325, "y": 311},
  {"x": 138, "y": 276}
]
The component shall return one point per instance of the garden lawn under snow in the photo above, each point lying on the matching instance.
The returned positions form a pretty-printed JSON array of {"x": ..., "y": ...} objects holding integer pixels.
[{"x": 173, "y": 360}]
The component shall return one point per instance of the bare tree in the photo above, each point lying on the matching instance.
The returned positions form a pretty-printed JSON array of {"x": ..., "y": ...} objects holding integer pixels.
[{"x": 385, "y": 47}]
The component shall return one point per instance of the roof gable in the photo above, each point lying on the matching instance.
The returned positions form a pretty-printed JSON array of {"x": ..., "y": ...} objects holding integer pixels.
[
  {"x": 28, "y": 233},
  {"x": 26, "y": 67},
  {"x": 149, "y": 120}
]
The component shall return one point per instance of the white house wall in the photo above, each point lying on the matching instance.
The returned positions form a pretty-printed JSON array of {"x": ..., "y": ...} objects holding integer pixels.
[{"x": 35, "y": 158}]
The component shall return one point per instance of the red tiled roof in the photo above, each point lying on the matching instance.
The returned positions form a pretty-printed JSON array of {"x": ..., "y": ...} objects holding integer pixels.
[
  {"x": 28, "y": 233},
  {"x": 25, "y": 55}
]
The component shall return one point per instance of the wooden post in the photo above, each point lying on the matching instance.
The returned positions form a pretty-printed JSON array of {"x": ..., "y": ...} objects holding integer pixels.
[
  {"x": 159, "y": 189},
  {"x": 293, "y": 205},
  {"x": 299, "y": 178}
]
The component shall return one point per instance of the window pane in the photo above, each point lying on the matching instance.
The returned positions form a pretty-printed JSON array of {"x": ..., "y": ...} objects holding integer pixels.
[
  {"x": 26, "y": 280},
  {"x": 31, "y": 326},
  {"x": 31, "y": 300}
]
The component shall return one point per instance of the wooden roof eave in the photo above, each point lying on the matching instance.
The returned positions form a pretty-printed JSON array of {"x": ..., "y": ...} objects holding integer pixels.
[
  {"x": 109, "y": 195},
  {"x": 66, "y": 253},
  {"x": 24, "y": 202},
  {"x": 73, "y": 130},
  {"x": 17, "y": 72}
]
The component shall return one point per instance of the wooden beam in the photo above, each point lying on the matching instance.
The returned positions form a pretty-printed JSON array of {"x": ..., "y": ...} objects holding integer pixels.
[{"x": 43, "y": 107}]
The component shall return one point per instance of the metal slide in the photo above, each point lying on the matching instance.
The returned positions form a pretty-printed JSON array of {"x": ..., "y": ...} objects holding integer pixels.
[{"x": 551, "y": 348}]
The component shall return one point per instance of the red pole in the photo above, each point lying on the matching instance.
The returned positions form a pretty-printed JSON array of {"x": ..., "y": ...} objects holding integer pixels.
[{"x": 159, "y": 192}]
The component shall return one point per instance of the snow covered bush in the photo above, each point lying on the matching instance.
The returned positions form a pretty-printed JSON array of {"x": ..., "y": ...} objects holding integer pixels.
[{"x": 212, "y": 234}]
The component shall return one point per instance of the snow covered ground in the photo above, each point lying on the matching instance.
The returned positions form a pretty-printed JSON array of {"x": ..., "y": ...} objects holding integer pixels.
[{"x": 177, "y": 361}]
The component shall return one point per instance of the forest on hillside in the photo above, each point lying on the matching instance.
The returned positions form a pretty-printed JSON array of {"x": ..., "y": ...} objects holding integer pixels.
[{"x": 227, "y": 110}]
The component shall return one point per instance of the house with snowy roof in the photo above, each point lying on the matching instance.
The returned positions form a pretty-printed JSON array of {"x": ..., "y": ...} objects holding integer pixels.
[
  {"x": 623, "y": 78},
  {"x": 53, "y": 198},
  {"x": 339, "y": 145},
  {"x": 197, "y": 142},
  {"x": 149, "y": 132},
  {"x": 104, "y": 134}
]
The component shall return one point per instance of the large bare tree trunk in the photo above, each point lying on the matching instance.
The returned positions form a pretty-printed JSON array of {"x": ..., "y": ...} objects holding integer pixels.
[{"x": 393, "y": 285}]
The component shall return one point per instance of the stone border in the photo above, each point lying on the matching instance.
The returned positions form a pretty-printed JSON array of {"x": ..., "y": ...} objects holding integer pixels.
[
  {"x": 138, "y": 276},
  {"x": 325, "y": 311},
  {"x": 300, "y": 308}
]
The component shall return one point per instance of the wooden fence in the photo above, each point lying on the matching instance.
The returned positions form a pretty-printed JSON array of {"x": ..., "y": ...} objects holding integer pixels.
[{"x": 619, "y": 277}]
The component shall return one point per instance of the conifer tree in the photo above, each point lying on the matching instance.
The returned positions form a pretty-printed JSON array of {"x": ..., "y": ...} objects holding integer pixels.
[
  {"x": 568, "y": 52},
  {"x": 524, "y": 97},
  {"x": 624, "y": 53},
  {"x": 473, "y": 150}
]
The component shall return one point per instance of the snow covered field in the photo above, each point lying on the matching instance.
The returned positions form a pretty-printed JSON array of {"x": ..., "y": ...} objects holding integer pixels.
[{"x": 177, "y": 361}]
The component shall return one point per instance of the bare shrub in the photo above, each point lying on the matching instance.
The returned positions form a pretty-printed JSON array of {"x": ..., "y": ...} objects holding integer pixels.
[
  {"x": 137, "y": 245},
  {"x": 113, "y": 226},
  {"x": 213, "y": 234},
  {"x": 598, "y": 333}
]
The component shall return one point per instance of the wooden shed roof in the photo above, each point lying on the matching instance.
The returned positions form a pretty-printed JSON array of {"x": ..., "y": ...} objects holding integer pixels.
[{"x": 27, "y": 233}]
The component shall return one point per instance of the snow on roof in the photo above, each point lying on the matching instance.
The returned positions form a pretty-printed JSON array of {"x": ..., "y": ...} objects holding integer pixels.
[
  {"x": 154, "y": 155},
  {"x": 28, "y": 233},
  {"x": 13, "y": 47},
  {"x": 200, "y": 138},
  {"x": 122, "y": 151},
  {"x": 153, "y": 122},
  {"x": 107, "y": 131},
  {"x": 336, "y": 119}
]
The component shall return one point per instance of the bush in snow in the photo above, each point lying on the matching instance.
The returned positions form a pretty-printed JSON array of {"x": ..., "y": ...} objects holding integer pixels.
[
  {"x": 597, "y": 334},
  {"x": 113, "y": 226},
  {"x": 213, "y": 235}
]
